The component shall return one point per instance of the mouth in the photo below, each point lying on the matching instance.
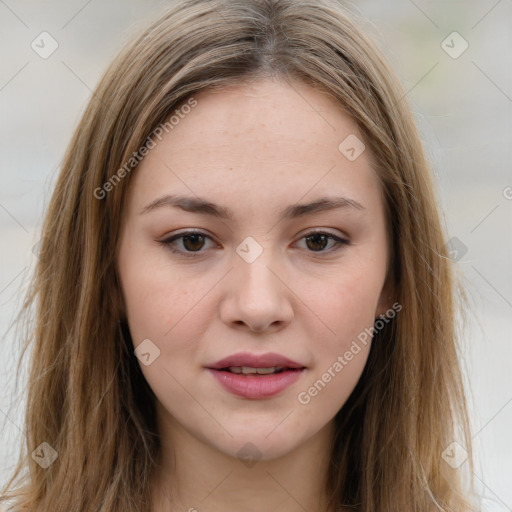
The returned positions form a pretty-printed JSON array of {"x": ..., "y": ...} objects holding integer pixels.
[
  {"x": 255, "y": 372},
  {"x": 256, "y": 377},
  {"x": 246, "y": 363}
]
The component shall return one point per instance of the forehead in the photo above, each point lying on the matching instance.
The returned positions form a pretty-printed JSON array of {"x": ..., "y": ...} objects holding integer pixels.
[
  {"x": 268, "y": 140},
  {"x": 270, "y": 113}
]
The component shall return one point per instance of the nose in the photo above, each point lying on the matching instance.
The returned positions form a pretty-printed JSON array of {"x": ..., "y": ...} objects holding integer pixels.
[{"x": 256, "y": 296}]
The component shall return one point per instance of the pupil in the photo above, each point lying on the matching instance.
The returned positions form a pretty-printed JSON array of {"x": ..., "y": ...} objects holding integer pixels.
[
  {"x": 195, "y": 238},
  {"x": 323, "y": 237}
]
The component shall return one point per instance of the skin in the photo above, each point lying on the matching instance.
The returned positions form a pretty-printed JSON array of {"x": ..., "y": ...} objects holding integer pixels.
[{"x": 253, "y": 149}]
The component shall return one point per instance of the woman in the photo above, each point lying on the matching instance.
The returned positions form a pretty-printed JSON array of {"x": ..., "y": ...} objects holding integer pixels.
[{"x": 243, "y": 297}]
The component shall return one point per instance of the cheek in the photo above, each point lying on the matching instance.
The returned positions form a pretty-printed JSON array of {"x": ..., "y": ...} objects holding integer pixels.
[
  {"x": 164, "y": 307},
  {"x": 341, "y": 352},
  {"x": 346, "y": 304},
  {"x": 347, "y": 301},
  {"x": 159, "y": 298}
]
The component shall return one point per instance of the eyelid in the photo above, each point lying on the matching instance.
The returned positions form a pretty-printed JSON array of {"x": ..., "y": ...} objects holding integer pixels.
[
  {"x": 185, "y": 232},
  {"x": 340, "y": 241},
  {"x": 181, "y": 234},
  {"x": 324, "y": 231}
]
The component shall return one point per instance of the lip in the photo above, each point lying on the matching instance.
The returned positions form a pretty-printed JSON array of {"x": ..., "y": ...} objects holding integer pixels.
[
  {"x": 261, "y": 386},
  {"x": 256, "y": 388},
  {"x": 255, "y": 361}
]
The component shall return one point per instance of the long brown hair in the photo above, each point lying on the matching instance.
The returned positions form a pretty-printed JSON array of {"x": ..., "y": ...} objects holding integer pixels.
[{"x": 87, "y": 397}]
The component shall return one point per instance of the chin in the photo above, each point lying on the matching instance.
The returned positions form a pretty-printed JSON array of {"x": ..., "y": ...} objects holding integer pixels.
[{"x": 265, "y": 441}]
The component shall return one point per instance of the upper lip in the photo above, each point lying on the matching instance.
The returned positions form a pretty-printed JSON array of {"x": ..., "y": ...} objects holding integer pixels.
[{"x": 267, "y": 360}]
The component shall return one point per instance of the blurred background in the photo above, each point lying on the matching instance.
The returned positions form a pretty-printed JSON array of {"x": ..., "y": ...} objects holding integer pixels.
[{"x": 455, "y": 61}]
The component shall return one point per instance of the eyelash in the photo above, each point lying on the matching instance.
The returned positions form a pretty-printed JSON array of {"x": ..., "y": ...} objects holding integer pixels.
[{"x": 167, "y": 243}]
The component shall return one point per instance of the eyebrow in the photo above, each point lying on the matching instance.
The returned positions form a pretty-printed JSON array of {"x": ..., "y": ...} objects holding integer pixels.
[{"x": 202, "y": 206}]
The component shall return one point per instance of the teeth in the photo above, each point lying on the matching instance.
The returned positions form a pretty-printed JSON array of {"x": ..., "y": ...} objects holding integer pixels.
[
  {"x": 264, "y": 371},
  {"x": 247, "y": 370}
]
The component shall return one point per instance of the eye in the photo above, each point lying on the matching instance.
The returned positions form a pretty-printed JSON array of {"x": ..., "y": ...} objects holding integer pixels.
[
  {"x": 318, "y": 240},
  {"x": 192, "y": 241}
]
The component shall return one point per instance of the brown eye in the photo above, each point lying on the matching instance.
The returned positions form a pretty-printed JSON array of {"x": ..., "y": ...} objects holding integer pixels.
[
  {"x": 318, "y": 241},
  {"x": 192, "y": 243}
]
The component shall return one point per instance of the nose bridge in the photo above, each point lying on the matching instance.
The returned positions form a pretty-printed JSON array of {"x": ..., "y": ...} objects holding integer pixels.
[
  {"x": 257, "y": 295},
  {"x": 253, "y": 269}
]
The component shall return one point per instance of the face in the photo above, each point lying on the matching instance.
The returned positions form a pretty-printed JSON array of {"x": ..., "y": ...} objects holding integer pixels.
[{"x": 220, "y": 257}]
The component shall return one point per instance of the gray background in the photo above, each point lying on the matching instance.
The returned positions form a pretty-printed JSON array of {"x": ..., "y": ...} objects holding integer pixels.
[{"x": 464, "y": 109}]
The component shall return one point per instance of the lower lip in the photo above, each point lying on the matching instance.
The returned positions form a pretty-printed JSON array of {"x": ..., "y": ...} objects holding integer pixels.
[{"x": 263, "y": 386}]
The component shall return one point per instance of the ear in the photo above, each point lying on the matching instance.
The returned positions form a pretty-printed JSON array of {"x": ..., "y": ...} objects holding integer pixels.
[{"x": 386, "y": 298}]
